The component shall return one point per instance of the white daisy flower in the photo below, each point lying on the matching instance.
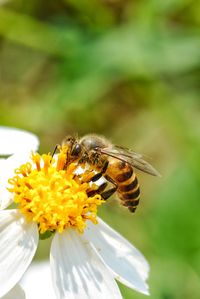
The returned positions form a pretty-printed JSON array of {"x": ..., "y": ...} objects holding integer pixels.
[{"x": 86, "y": 255}]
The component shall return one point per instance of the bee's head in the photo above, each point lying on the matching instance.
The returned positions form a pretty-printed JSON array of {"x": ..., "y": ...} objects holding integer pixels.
[{"x": 74, "y": 148}]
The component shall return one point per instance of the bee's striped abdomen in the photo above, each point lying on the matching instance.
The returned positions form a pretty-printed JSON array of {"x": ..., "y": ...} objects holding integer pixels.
[
  {"x": 129, "y": 193},
  {"x": 128, "y": 187}
]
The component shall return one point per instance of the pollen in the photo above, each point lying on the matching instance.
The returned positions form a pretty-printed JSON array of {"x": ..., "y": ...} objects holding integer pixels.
[{"x": 52, "y": 196}]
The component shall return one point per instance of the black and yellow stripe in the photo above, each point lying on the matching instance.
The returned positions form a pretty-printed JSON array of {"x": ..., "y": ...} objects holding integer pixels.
[{"x": 128, "y": 187}]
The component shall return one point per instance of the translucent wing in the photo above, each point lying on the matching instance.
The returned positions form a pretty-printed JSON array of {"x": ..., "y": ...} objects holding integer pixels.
[
  {"x": 127, "y": 152},
  {"x": 134, "y": 159}
]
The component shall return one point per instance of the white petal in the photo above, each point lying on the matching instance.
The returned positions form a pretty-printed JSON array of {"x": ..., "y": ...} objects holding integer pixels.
[
  {"x": 1, "y": 161},
  {"x": 77, "y": 270},
  {"x": 7, "y": 168},
  {"x": 37, "y": 281},
  {"x": 16, "y": 293},
  {"x": 127, "y": 263},
  {"x": 18, "y": 243},
  {"x": 14, "y": 140}
]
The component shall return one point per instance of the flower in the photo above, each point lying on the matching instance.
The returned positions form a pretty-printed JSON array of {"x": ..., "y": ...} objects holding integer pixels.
[
  {"x": 15, "y": 140},
  {"x": 15, "y": 293},
  {"x": 86, "y": 254},
  {"x": 20, "y": 143},
  {"x": 36, "y": 283}
]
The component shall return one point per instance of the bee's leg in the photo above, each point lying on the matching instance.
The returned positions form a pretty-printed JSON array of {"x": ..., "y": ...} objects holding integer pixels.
[
  {"x": 54, "y": 151},
  {"x": 98, "y": 175},
  {"x": 106, "y": 194},
  {"x": 101, "y": 188}
]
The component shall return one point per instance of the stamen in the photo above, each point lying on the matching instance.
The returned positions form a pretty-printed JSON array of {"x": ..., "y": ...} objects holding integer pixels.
[{"x": 52, "y": 196}]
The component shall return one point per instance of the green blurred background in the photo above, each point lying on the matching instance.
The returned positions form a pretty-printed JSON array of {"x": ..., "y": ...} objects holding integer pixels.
[{"x": 128, "y": 70}]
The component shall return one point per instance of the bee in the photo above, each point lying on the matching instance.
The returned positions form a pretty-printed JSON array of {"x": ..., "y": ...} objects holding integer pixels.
[{"x": 115, "y": 163}]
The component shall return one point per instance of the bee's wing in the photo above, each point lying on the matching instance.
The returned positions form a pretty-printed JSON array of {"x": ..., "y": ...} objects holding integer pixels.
[
  {"x": 126, "y": 152},
  {"x": 131, "y": 157}
]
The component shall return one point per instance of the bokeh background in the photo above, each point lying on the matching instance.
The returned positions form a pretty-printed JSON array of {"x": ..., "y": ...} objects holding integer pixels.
[{"x": 129, "y": 70}]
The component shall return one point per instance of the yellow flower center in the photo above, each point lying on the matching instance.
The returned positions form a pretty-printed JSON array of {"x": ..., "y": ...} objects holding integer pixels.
[{"x": 53, "y": 197}]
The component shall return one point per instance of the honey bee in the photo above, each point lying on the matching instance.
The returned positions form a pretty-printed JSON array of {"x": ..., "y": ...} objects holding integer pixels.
[{"x": 116, "y": 164}]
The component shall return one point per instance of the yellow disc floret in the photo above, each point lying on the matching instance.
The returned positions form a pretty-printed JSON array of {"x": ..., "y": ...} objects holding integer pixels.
[{"x": 53, "y": 197}]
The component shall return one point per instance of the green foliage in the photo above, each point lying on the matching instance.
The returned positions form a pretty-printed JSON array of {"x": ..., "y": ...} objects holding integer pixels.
[{"x": 128, "y": 70}]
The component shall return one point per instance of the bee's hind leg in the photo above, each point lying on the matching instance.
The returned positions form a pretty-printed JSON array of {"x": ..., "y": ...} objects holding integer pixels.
[
  {"x": 101, "y": 188},
  {"x": 106, "y": 194},
  {"x": 98, "y": 175}
]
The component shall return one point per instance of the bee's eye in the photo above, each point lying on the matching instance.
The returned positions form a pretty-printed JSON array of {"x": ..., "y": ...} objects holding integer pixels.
[{"x": 76, "y": 150}]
